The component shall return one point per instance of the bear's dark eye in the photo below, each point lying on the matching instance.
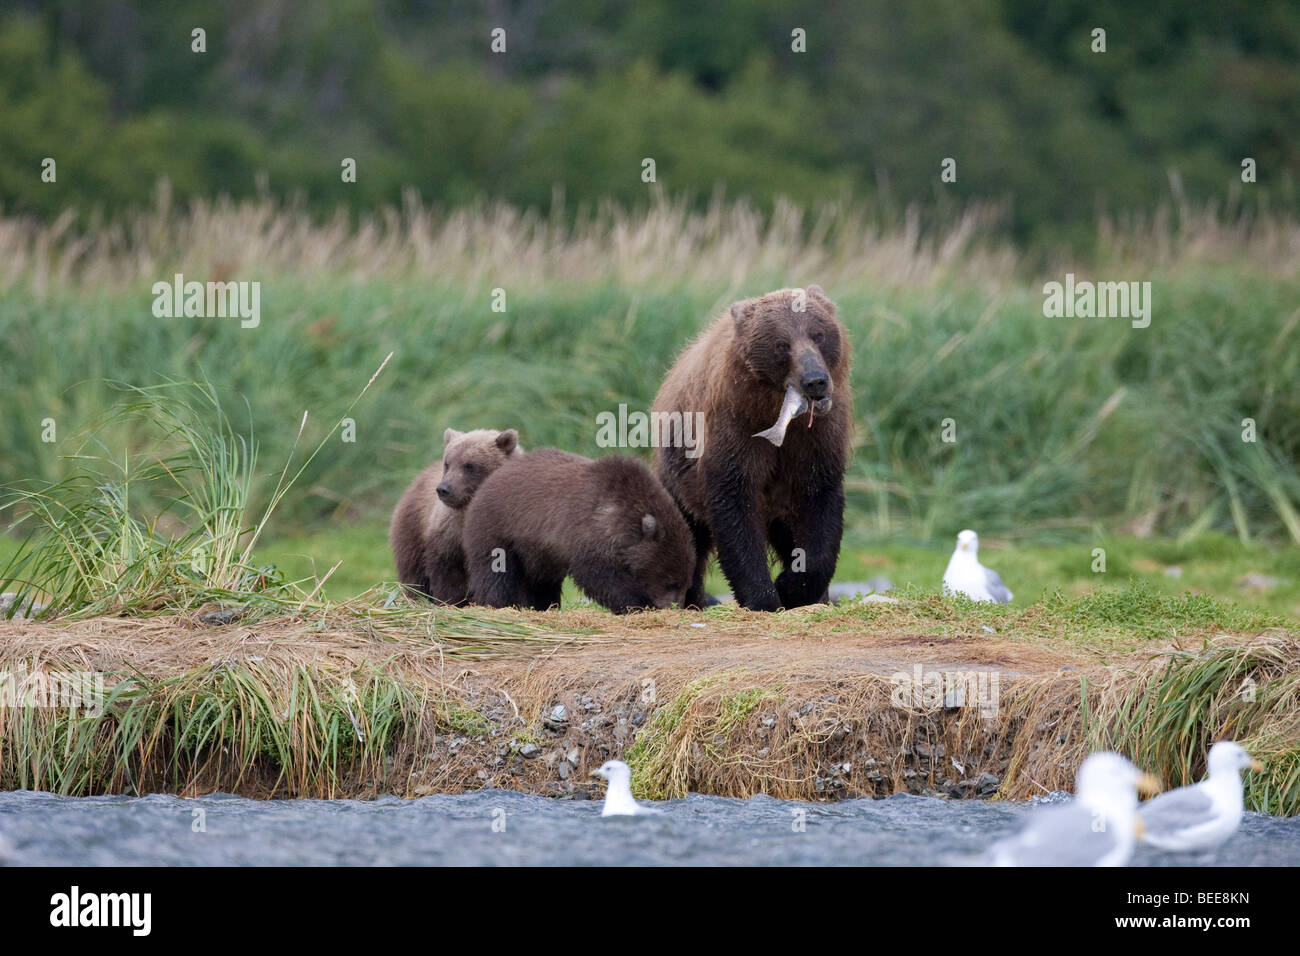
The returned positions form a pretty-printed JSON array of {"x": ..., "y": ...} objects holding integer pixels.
[{"x": 470, "y": 469}]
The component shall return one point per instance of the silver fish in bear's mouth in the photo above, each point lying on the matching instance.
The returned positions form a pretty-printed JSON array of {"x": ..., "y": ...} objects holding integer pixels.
[{"x": 795, "y": 404}]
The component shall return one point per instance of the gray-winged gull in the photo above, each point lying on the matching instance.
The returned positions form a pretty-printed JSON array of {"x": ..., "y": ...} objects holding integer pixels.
[
  {"x": 1204, "y": 814},
  {"x": 619, "y": 801},
  {"x": 1099, "y": 827},
  {"x": 965, "y": 575}
]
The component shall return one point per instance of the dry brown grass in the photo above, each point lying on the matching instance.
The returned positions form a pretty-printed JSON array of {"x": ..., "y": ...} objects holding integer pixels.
[
  {"x": 728, "y": 243},
  {"x": 668, "y": 241},
  {"x": 748, "y": 704}
]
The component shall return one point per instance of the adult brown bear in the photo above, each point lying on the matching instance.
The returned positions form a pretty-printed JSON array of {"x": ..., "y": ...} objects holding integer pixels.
[{"x": 747, "y": 485}]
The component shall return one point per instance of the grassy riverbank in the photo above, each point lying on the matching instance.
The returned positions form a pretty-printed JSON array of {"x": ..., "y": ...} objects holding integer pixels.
[{"x": 357, "y": 700}]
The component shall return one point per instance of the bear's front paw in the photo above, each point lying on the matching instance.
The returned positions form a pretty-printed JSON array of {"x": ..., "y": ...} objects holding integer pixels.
[
  {"x": 768, "y": 600},
  {"x": 697, "y": 599},
  {"x": 797, "y": 589}
]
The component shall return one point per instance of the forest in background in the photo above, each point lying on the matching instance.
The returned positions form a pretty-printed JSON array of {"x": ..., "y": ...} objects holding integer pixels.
[{"x": 712, "y": 90}]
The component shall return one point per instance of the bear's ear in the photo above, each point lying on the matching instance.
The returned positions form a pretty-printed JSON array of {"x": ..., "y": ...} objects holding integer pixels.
[
  {"x": 649, "y": 526},
  {"x": 449, "y": 436},
  {"x": 740, "y": 311},
  {"x": 824, "y": 302},
  {"x": 507, "y": 440}
]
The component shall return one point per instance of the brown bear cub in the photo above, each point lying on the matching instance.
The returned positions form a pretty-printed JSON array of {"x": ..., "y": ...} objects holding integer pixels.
[
  {"x": 608, "y": 524},
  {"x": 784, "y": 359},
  {"x": 426, "y": 530}
]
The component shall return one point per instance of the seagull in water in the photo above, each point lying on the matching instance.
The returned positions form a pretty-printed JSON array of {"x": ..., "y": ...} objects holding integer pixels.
[
  {"x": 1201, "y": 816},
  {"x": 965, "y": 575},
  {"x": 619, "y": 801},
  {"x": 1099, "y": 827}
]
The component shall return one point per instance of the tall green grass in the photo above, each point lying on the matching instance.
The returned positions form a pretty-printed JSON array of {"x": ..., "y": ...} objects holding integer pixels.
[
  {"x": 1059, "y": 423},
  {"x": 167, "y": 520},
  {"x": 1167, "y": 721}
]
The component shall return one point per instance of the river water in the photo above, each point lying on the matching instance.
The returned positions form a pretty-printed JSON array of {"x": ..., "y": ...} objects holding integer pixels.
[{"x": 500, "y": 827}]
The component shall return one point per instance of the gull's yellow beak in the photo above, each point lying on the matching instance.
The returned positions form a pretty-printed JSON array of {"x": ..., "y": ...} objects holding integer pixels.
[
  {"x": 1148, "y": 785},
  {"x": 1139, "y": 828},
  {"x": 596, "y": 774},
  {"x": 1256, "y": 766}
]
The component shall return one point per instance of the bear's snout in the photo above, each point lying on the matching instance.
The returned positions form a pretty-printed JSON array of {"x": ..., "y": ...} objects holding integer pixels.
[
  {"x": 814, "y": 379},
  {"x": 444, "y": 492},
  {"x": 815, "y": 384}
]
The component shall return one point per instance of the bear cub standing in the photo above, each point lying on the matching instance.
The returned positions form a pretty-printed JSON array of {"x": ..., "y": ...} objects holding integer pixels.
[
  {"x": 426, "y": 530},
  {"x": 608, "y": 524}
]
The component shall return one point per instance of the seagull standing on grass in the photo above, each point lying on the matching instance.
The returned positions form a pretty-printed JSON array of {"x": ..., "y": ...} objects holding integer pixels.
[
  {"x": 619, "y": 801},
  {"x": 965, "y": 575},
  {"x": 1099, "y": 827},
  {"x": 1203, "y": 815}
]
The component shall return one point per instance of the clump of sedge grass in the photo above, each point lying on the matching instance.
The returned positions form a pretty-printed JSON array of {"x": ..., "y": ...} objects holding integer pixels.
[
  {"x": 1169, "y": 713},
  {"x": 97, "y": 541}
]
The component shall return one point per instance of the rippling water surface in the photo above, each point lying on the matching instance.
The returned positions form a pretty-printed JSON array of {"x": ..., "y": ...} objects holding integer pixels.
[{"x": 502, "y": 828}]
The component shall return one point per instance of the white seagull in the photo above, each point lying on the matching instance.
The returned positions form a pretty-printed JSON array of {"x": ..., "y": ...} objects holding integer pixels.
[
  {"x": 1203, "y": 815},
  {"x": 619, "y": 801},
  {"x": 965, "y": 575},
  {"x": 1099, "y": 827}
]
